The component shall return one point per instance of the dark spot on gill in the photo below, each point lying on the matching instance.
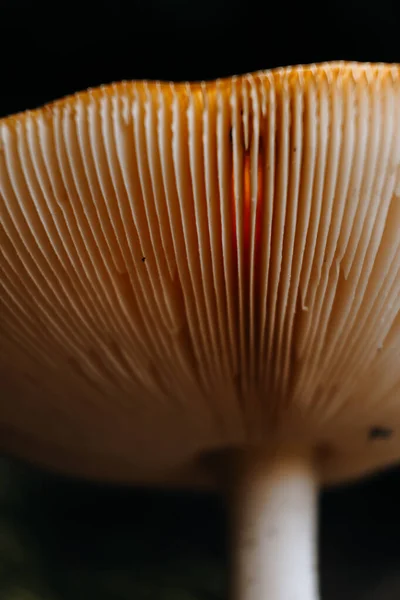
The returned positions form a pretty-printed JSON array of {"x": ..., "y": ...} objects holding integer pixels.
[{"x": 380, "y": 433}]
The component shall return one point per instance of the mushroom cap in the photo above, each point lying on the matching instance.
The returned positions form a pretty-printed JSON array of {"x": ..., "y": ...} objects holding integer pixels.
[{"x": 189, "y": 268}]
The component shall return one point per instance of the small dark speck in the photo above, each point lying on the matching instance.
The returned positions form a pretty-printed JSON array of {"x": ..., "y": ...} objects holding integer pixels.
[
  {"x": 380, "y": 433},
  {"x": 295, "y": 149},
  {"x": 143, "y": 259}
]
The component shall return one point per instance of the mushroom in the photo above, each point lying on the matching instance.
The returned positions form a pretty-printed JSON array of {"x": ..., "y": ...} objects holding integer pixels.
[{"x": 200, "y": 287}]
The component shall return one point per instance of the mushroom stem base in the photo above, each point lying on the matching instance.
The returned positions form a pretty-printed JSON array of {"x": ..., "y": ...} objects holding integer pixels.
[{"x": 275, "y": 507}]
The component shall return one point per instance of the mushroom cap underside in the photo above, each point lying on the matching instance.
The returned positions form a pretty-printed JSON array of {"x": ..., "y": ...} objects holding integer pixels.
[{"x": 188, "y": 268}]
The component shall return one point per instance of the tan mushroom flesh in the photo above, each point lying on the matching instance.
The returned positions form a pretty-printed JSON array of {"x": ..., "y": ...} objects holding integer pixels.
[{"x": 209, "y": 274}]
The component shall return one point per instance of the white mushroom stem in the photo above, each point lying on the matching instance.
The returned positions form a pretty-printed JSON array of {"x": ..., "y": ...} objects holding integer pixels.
[{"x": 275, "y": 529}]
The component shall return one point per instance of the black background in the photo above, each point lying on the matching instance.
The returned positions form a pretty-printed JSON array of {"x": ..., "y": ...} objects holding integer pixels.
[{"x": 50, "y": 49}]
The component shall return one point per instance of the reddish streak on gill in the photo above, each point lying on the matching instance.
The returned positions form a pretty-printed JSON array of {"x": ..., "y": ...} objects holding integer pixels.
[
  {"x": 247, "y": 193},
  {"x": 250, "y": 191},
  {"x": 247, "y": 202}
]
